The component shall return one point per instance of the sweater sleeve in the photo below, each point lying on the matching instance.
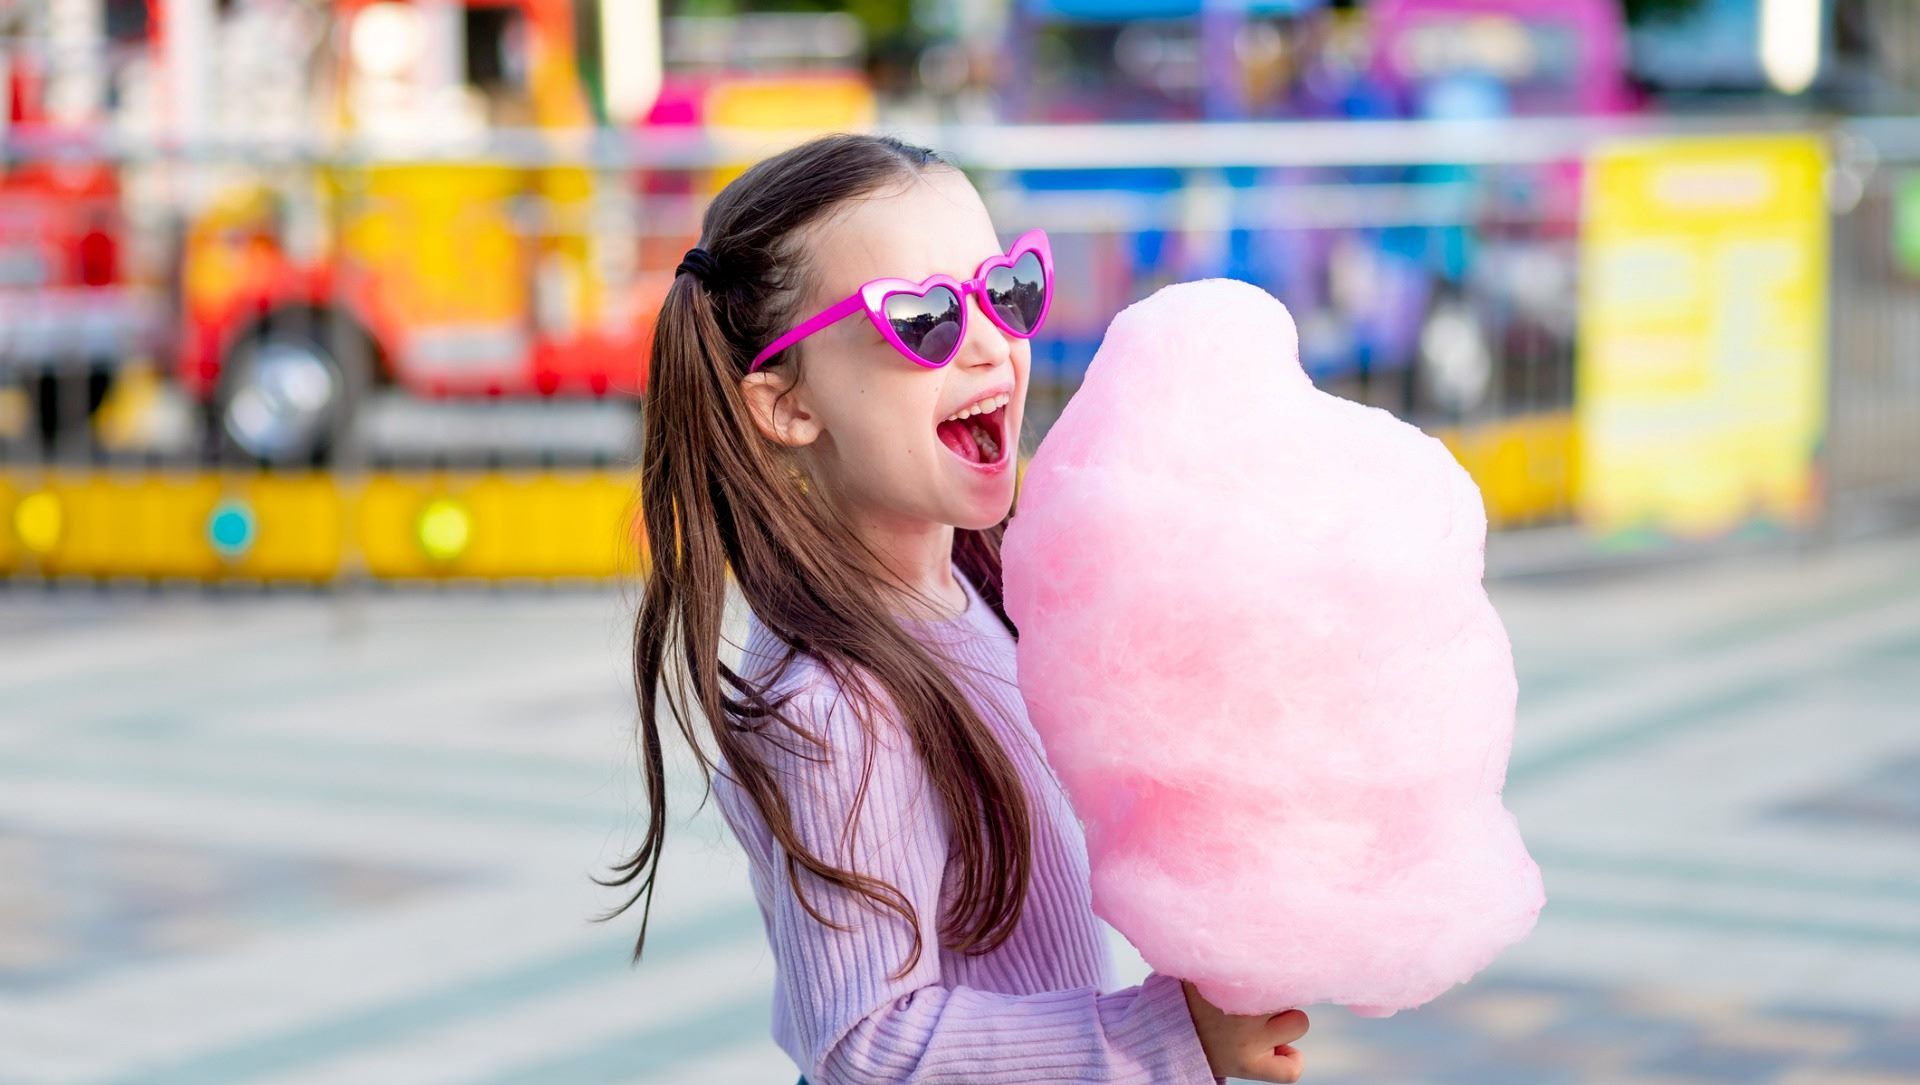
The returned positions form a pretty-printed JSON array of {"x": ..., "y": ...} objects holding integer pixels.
[{"x": 857, "y": 1026}]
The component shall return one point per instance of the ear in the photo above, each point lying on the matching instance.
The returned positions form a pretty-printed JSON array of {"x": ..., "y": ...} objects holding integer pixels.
[{"x": 779, "y": 410}]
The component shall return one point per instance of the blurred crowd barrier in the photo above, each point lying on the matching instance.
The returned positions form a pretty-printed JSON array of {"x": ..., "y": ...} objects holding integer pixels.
[{"x": 272, "y": 361}]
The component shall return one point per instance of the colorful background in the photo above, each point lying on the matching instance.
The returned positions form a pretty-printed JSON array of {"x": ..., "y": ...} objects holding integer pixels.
[{"x": 324, "y": 334}]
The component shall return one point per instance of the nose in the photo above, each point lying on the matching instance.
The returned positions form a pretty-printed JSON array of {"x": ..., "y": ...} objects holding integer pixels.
[{"x": 986, "y": 346}]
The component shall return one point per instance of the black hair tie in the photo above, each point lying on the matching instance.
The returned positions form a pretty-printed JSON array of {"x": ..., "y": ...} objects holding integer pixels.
[{"x": 702, "y": 265}]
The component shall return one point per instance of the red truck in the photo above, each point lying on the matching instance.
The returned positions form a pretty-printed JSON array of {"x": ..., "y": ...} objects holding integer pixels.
[{"x": 68, "y": 318}]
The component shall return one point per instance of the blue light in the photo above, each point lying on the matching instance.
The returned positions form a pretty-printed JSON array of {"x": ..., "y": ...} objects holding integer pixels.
[{"x": 230, "y": 528}]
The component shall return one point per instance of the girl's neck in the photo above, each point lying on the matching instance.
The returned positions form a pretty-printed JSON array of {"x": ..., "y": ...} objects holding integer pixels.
[{"x": 917, "y": 557}]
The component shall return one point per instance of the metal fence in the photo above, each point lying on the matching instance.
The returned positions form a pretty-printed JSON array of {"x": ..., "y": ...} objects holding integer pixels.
[
  {"x": 356, "y": 308},
  {"x": 1873, "y": 450}
]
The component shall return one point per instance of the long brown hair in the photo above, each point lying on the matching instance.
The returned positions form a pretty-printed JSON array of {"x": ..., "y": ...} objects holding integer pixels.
[{"x": 716, "y": 497}]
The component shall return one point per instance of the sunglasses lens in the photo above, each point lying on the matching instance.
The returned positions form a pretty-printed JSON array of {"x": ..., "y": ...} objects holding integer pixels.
[
  {"x": 1019, "y": 293},
  {"x": 929, "y": 324}
]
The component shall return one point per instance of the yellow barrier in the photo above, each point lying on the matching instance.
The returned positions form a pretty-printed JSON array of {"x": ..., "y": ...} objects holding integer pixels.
[
  {"x": 313, "y": 526},
  {"x": 1526, "y": 467},
  {"x": 485, "y": 525}
]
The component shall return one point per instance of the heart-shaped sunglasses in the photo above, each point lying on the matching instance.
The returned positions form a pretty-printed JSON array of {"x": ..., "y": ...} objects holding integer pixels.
[{"x": 927, "y": 320}]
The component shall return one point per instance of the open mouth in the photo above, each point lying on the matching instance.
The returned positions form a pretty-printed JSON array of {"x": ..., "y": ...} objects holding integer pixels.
[{"x": 978, "y": 438}]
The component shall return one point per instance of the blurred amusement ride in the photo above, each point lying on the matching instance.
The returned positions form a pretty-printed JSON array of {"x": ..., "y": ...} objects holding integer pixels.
[{"x": 309, "y": 240}]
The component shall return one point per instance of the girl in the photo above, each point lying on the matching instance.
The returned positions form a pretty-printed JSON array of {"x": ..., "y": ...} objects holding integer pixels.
[{"x": 835, "y": 422}]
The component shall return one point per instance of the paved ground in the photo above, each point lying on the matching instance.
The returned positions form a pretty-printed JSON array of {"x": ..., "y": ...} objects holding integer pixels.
[{"x": 297, "y": 839}]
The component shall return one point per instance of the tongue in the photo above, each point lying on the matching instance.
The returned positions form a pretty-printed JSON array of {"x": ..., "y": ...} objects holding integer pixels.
[{"x": 959, "y": 437}]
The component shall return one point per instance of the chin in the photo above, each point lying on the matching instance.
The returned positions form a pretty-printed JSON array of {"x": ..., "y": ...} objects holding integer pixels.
[
  {"x": 978, "y": 525},
  {"x": 983, "y": 517}
]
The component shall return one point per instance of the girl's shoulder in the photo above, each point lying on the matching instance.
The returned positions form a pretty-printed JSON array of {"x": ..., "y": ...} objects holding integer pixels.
[
  {"x": 811, "y": 693},
  {"x": 832, "y": 695},
  {"x": 766, "y": 659}
]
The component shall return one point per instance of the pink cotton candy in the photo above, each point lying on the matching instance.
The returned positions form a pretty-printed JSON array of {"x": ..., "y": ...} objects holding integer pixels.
[{"x": 1255, "y": 643}]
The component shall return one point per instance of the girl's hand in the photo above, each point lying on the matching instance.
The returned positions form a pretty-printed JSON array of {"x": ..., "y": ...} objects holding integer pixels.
[{"x": 1254, "y": 1047}]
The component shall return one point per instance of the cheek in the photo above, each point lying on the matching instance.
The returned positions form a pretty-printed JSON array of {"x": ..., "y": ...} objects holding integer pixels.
[{"x": 883, "y": 434}]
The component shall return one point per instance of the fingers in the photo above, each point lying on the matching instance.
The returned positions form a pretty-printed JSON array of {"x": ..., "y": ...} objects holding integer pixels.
[
  {"x": 1287, "y": 1027},
  {"x": 1269, "y": 1052},
  {"x": 1283, "y": 1065}
]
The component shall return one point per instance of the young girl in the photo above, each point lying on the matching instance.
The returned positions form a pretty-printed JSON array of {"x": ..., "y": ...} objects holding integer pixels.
[{"x": 839, "y": 434}]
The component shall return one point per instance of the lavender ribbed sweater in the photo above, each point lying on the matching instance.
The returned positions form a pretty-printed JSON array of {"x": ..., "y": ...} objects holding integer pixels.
[{"x": 1038, "y": 1008}]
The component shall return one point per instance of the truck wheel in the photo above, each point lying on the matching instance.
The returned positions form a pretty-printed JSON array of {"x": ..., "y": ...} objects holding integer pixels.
[{"x": 287, "y": 392}]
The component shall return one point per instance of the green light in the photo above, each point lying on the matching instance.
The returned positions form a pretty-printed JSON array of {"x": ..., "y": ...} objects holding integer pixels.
[{"x": 444, "y": 528}]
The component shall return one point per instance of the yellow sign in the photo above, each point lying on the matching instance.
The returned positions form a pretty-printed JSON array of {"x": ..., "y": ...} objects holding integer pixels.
[{"x": 1700, "y": 391}]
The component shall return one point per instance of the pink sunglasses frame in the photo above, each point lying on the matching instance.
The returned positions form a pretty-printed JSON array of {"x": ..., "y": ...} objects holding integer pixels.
[{"x": 873, "y": 294}]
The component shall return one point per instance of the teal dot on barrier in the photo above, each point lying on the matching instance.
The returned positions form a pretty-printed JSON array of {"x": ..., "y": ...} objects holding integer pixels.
[{"x": 230, "y": 528}]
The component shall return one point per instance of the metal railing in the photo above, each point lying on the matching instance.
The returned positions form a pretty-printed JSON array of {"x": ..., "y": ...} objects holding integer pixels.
[
  {"x": 1873, "y": 449},
  {"x": 1432, "y": 268}
]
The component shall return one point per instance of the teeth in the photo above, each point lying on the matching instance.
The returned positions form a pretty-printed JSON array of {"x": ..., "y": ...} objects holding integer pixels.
[{"x": 985, "y": 406}]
